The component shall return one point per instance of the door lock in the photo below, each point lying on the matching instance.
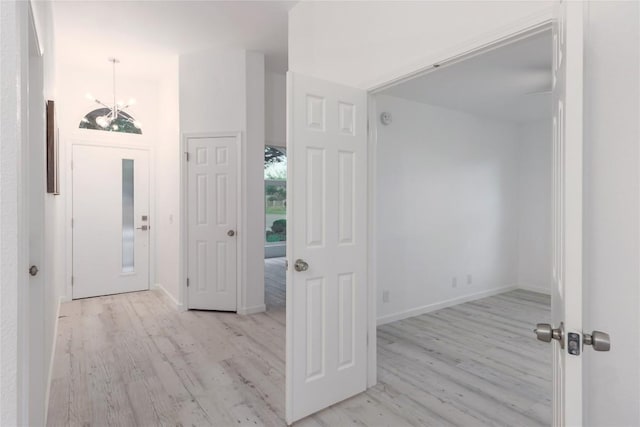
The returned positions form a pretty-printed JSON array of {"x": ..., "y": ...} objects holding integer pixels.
[
  {"x": 231, "y": 233},
  {"x": 301, "y": 265},
  {"x": 545, "y": 332}
]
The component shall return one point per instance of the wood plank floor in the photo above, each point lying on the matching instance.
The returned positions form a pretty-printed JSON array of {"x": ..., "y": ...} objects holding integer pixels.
[{"x": 132, "y": 360}]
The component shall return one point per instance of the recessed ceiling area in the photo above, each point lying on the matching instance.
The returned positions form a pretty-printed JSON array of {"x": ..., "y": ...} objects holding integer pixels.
[
  {"x": 511, "y": 82},
  {"x": 140, "y": 32}
]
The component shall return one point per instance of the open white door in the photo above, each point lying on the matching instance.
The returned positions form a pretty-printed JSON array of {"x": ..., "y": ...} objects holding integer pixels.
[
  {"x": 327, "y": 245},
  {"x": 566, "y": 294}
]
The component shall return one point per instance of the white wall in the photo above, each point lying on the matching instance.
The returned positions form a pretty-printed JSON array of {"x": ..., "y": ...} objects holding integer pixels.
[
  {"x": 534, "y": 203},
  {"x": 13, "y": 25},
  {"x": 336, "y": 42},
  {"x": 167, "y": 180},
  {"x": 220, "y": 91},
  {"x": 275, "y": 85},
  {"x": 366, "y": 43},
  {"x": 612, "y": 212},
  {"x": 447, "y": 207}
]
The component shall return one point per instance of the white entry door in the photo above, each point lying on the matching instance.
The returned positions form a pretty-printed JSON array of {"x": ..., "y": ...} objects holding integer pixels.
[
  {"x": 327, "y": 245},
  {"x": 212, "y": 223},
  {"x": 110, "y": 220},
  {"x": 566, "y": 296}
]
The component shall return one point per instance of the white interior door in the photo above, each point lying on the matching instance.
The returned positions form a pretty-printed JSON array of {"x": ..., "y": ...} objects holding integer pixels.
[
  {"x": 327, "y": 218},
  {"x": 212, "y": 223},
  {"x": 35, "y": 364},
  {"x": 110, "y": 220},
  {"x": 566, "y": 297}
]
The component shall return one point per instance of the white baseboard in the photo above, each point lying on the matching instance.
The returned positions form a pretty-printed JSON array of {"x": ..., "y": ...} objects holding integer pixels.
[
  {"x": 53, "y": 353},
  {"x": 252, "y": 310},
  {"x": 176, "y": 304},
  {"x": 388, "y": 318},
  {"x": 538, "y": 289}
]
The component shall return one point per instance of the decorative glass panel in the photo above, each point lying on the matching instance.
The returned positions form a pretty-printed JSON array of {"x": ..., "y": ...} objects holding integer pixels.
[
  {"x": 128, "y": 227},
  {"x": 100, "y": 120}
]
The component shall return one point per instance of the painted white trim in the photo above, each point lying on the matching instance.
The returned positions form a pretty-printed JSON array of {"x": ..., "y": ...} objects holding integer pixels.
[
  {"x": 52, "y": 358},
  {"x": 505, "y": 34},
  {"x": 241, "y": 255},
  {"x": 176, "y": 304},
  {"x": 383, "y": 320},
  {"x": 252, "y": 310},
  {"x": 372, "y": 151},
  {"x": 538, "y": 289}
]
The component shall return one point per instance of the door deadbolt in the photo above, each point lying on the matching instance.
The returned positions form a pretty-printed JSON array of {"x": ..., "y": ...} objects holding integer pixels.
[
  {"x": 231, "y": 233},
  {"x": 301, "y": 265},
  {"x": 33, "y": 270}
]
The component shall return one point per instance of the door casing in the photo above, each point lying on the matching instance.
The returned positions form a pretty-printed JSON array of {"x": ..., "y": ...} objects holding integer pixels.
[
  {"x": 504, "y": 36},
  {"x": 241, "y": 220}
]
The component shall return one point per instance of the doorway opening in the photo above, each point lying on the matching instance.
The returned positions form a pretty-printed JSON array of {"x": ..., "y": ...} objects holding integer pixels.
[
  {"x": 275, "y": 246},
  {"x": 463, "y": 234}
]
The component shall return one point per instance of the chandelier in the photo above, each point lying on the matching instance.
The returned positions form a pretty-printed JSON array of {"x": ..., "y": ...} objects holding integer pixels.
[{"x": 115, "y": 114}]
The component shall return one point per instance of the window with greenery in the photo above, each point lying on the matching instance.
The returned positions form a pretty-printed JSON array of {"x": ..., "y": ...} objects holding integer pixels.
[
  {"x": 275, "y": 191},
  {"x": 98, "y": 120}
]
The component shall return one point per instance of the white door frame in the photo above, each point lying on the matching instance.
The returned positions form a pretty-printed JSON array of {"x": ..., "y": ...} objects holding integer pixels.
[
  {"x": 241, "y": 256},
  {"x": 532, "y": 25},
  {"x": 108, "y": 143}
]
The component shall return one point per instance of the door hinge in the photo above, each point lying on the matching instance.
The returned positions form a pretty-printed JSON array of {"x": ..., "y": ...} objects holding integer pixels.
[
  {"x": 71, "y": 164},
  {"x": 187, "y": 282},
  {"x": 71, "y": 222},
  {"x": 186, "y": 153},
  {"x": 286, "y": 265},
  {"x": 72, "y": 280}
]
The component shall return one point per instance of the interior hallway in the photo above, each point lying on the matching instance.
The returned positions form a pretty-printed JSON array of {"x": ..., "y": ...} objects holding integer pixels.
[{"x": 132, "y": 359}]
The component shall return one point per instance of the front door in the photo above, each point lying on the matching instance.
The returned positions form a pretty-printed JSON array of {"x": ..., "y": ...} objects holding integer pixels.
[
  {"x": 212, "y": 223},
  {"x": 327, "y": 245},
  {"x": 110, "y": 220}
]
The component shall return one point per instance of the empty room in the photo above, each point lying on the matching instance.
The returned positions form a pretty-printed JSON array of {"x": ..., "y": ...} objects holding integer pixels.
[
  {"x": 463, "y": 232},
  {"x": 319, "y": 213}
]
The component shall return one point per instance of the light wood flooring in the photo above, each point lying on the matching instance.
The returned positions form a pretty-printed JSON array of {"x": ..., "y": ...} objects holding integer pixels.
[{"x": 132, "y": 360}]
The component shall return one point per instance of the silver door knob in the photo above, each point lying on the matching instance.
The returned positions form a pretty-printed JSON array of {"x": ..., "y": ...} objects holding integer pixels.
[
  {"x": 231, "y": 233},
  {"x": 600, "y": 341},
  {"x": 33, "y": 270},
  {"x": 545, "y": 332},
  {"x": 301, "y": 265}
]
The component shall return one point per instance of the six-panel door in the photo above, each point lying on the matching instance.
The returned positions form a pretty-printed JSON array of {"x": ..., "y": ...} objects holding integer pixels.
[
  {"x": 327, "y": 303},
  {"x": 211, "y": 221}
]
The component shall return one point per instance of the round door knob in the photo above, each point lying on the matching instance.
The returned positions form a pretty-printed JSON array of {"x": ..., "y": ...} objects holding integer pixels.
[
  {"x": 231, "y": 233},
  {"x": 301, "y": 265},
  {"x": 33, "y": 270},
  {"x": 545, "y": 332}
]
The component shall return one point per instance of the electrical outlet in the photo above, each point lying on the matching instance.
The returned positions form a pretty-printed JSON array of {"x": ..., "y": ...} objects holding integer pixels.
[
  {"x": 469, "y": 279},
  {"x": 454, "y": 282},
  {"x": 385, "y": 296}
]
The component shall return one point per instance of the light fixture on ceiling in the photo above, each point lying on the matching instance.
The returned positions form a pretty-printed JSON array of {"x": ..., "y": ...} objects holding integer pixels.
[{"x": 105, "y": 121}]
